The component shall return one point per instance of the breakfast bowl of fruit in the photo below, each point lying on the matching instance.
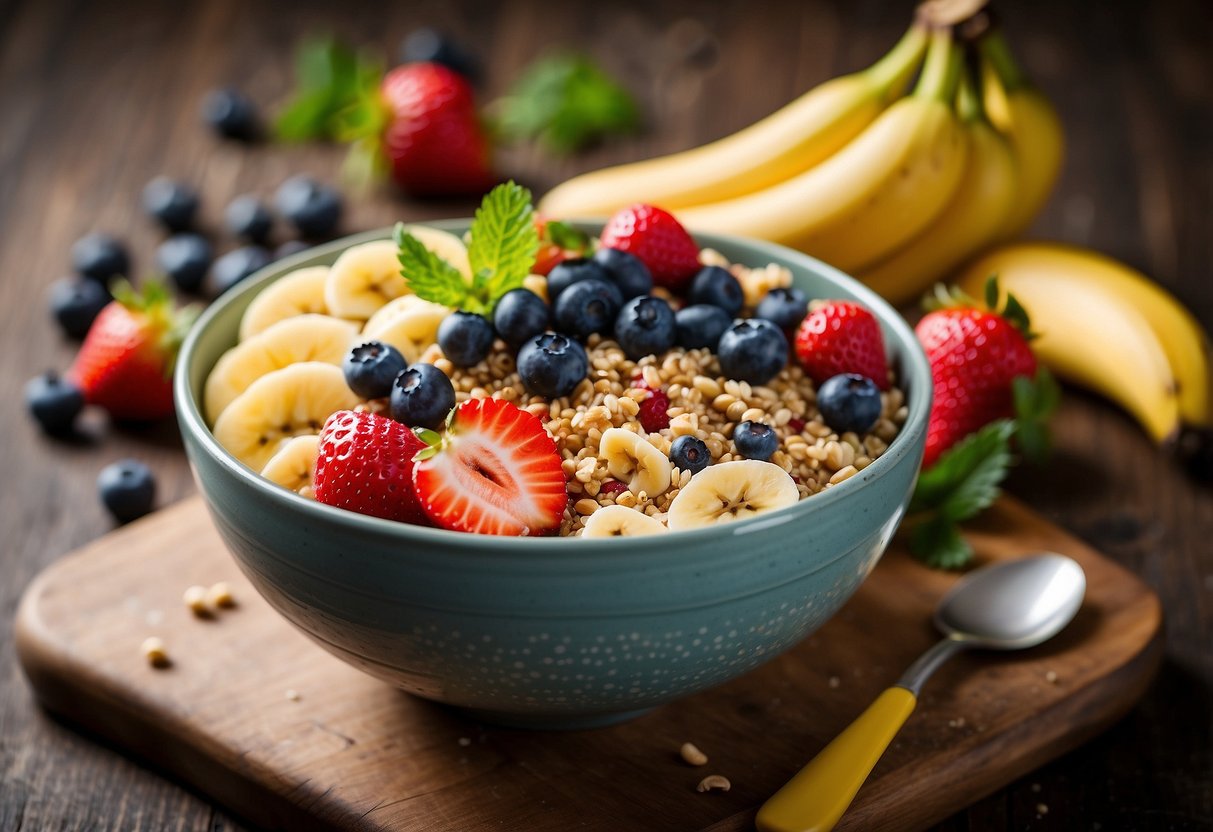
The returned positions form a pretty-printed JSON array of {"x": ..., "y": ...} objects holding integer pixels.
[{"x": 422, "y": 445}]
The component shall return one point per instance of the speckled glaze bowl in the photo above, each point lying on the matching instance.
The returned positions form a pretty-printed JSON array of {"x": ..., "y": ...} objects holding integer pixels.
[{"x": 558, "y": 633}]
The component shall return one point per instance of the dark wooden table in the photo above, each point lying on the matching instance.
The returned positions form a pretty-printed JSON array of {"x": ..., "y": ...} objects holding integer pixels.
[{"x": 97, "y": 98}]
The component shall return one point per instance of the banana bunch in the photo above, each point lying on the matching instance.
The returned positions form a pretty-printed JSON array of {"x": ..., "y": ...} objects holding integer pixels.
[
  {"x": 269, "y": 396},
  {"x": 897, "y": 188},
  {"x": 1107, "y": 327}
]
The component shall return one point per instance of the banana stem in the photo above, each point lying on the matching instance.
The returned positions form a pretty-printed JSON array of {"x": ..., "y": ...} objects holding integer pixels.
[
  {"x": 941, "y": 72},
  {"x": 970, "y": 97},
  {"x": 994, "y": 48},
  {"x": 892, "y": 73}
]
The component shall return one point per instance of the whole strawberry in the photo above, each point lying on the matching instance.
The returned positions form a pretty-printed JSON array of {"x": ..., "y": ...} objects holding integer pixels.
[
  {"x": 975, "y": 355},
  {"x": 125, "y": 364},
  {"x": 840, "y": 336},
  {"x": 433, "y": 140},
  {"x": 659, "y": 240},
  {"x": 365, "y": 464}
]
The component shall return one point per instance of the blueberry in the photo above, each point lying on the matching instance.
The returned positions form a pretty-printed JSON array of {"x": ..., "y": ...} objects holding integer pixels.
[
  {"x": 54, "y": 402},
  {"x": 752, "y": 350},
  {"x": 849, "y": 402},
  {"x": 290, "y": 247},
  {"x": 173, "y": 204},
  {"x": 313, "y": 208},
  {"x": 371, "y": 367},
  {"x": 567, "y": 272},
  {"x": 586, "y": 307},
  {"x": 429, "y": 45},
  {"x": 785, "y": 308},
  {"x": 551, "y": 365},
  {"x": 645, "y": 326},
  {"x": 185, "y": 258},
  {"x": 422, "y": 396},
  {"x": 715, "y": 286},
  {"x": 690, "y": 453},
  {"x": 236, "y": 265},
  {"x": 465, "y": 338},
  {"x": 100, "y": 257},
  {"x": 127, "y": 489},
  {"x": 76, "y": 304},
  {"x": 701, "y": 325},
  {"x": 231, "y": 114},
  {"x": 245, "y": 216},
  {"x": 520, "y": 314},
  {"x": 627, "y": 271},
  {"x": 754, "y": 440}
]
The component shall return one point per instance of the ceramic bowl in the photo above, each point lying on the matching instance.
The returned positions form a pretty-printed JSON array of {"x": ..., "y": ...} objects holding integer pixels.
[{"x": 555, "y": 632}]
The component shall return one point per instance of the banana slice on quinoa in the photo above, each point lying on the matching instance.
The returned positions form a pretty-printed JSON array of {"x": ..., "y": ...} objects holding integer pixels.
[{"x": 631, "y": 459}]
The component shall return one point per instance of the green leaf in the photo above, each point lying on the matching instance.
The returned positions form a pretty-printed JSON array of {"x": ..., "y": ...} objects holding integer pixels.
[
  {"x": 1036, "y": 399},
  {"x": 428, "y": 275},
  {"x": 503, "y": 244},
  {"x": 937, "y": 542},
  {"x": 331, "y": 79},
  {"x": 566, "y": 101},
  {"x": 965, "y": 479},
  {"x": 566, "y": 236}
]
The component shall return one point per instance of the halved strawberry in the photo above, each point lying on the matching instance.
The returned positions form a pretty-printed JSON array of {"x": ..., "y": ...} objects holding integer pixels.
[
  {"x": 494, "y": 471},
  {"x": 365, "y": 464}
]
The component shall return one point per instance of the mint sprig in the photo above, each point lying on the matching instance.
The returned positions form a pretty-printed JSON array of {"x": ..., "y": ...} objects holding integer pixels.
[
  {"x": 565, "y": 101},
  {"x": 335, "y": 88},
  {"x": 504, "y": 242},
  {"x": 963, "y": 482}
]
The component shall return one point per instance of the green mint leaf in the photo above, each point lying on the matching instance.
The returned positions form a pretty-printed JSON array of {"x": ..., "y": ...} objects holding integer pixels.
[
  {"x": 566, "y": 236},
  {"x": 330, "y": 79},
  {"x": 567, "y": 102},
  {"x": 1036, "y": 399},
  {"x": 965, "y": 479},
  {"x": 503, "y": 244},
  {"x": 428, "y": 275},
  {"x": 937, "y": 542}
]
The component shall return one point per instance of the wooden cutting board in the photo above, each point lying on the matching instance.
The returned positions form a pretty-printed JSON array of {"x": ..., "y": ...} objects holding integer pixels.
[{"x": 253, "y": 714}]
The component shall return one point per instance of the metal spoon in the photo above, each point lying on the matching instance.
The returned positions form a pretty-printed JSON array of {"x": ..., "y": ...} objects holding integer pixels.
[{"x": 1005, "y": 606}]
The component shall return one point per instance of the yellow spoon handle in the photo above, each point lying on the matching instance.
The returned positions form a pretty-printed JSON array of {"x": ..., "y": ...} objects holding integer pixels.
[{"x": 817, "y": 796}]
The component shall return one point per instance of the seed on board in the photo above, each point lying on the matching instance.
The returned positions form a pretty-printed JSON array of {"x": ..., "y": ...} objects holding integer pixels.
[
  {"x": 195, "y": 598},
  {"x": 692, "y": 755},
  {"x": 221, "y": 595},
  {"x": 714, "y": 782},
  {"x": 155, "y": 652},
  {"x": 292, "y": 695}
]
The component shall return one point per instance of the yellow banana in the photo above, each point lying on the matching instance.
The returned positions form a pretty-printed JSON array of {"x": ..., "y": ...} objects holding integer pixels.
[
  {"x": 1030, "y": 123},
  {"x": 873, "y": 195},
  {"x": 1184, "y": 342},
  {"x": 973, "y": 218},
  {"x": 793, "y": 139},
  {"x": 1093, "y": 337}
]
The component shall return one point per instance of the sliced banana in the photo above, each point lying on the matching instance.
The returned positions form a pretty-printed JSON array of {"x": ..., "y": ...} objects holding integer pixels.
[
  {"x": 301, "y": 338},
  {"x": 294, "y": 464},
  {"x": 293, "y": 401},
  {"x": 729, "y": 491},
  {"x": 538, "y": 284},
  {"x": 446, "y": 245},
  {"x": 631, "y": 459},
  {"x": 408, "y": 323},
  {"x": 363, "y": 279},
  {"x": 300, "y": 292},
  {"x": 620, "y": 521}
]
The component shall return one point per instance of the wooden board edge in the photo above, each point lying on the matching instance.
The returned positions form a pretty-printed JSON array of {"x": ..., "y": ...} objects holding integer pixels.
[{"x": 60, "y": 685}]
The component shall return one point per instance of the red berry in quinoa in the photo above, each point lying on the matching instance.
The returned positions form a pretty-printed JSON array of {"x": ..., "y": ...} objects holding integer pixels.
[
  {"x": 842, "y": 337},
  {"x": 653, "y": 415}
]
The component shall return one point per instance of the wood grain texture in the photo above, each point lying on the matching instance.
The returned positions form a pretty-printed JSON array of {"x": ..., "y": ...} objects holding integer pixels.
[
  {"x": 352, "y": 753},
  {"x": 96, "y": 98}
]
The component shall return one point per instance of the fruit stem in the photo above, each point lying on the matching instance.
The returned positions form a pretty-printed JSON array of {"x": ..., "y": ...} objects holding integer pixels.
[
  {"x": 970, "y": 101},
  {"x": 892, "y": 73},
  {"x": 994, "y": 48},
  {"x": 941, "y": 72}
]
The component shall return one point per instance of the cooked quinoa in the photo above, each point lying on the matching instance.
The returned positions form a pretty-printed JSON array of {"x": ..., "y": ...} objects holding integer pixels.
[{"x": 702, "y": 402}]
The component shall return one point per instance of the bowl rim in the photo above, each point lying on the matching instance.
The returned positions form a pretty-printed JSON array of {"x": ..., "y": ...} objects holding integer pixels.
[{"x": 914, "y": 363}]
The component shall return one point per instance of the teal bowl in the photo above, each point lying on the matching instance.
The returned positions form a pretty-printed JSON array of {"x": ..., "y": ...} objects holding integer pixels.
[{"x": 552, "y": 632}]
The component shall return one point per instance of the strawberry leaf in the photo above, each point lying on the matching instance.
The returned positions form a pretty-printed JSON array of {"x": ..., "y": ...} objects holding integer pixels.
[
  {"x": 938, "y": 543},
  {"x": 428, "y": 275},
  {"x": 567, "y": 102},
  {"x": 1035, "y": 401},
  {"x": 567, "y": 237},
  {"x": 503, "y": 244}
]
